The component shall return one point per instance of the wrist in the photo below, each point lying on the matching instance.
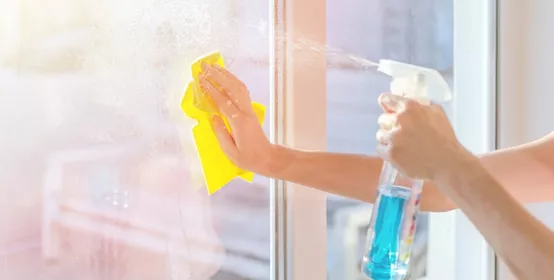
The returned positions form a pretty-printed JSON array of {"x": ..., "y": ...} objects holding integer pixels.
[
  {"x": 272, "y": 161},
  {"x": 461, "y": 164}
]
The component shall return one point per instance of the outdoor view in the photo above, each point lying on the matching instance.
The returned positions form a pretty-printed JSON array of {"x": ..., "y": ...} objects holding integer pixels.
[{"x": 100, "y": 179}]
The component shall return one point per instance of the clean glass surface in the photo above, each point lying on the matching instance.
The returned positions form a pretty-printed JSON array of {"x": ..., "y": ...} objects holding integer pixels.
[
  {"x": 417, "y": 32},
  {"x": 99, "y": 175}
]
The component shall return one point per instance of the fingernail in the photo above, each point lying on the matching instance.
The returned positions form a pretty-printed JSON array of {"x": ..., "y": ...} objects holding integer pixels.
[{"x": 204, "y": 65}]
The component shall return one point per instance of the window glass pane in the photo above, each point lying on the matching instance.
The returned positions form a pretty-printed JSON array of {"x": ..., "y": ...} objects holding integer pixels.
[
  {"x": 417, "y": 32},
  {"x": 99, "y": 175}
]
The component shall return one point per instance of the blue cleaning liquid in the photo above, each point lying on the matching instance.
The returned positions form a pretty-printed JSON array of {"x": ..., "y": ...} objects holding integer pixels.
[{"x": 382, "y": 258}]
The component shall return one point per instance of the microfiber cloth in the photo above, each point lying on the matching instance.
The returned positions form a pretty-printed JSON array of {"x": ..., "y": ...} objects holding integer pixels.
[{"x": 196, "y": 104}]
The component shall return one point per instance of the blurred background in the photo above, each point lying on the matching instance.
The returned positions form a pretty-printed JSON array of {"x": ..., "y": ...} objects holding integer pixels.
[{"x": 99, "y": 174}]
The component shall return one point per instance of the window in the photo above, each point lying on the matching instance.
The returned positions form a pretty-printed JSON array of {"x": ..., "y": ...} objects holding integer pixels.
[
  {"x": 416, "y": 32},
  {"x": 463, "y": 50},
  {"x": 100, "y": 177}
]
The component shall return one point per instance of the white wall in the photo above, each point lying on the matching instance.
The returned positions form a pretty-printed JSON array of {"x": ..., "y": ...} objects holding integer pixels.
[{"x": 526, "y": 58}]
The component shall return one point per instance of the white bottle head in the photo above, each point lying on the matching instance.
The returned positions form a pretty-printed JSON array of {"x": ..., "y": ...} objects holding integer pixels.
[{"x": 419, "y": 83}]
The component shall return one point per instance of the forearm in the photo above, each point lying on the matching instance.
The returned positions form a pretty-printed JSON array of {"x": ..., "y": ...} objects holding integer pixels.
[
  {"x": 523, "y": 242},
  {"x": 526, "y": 171},
  {"x": 348, "y": 175},
  {"x": 353, "y": 176}
]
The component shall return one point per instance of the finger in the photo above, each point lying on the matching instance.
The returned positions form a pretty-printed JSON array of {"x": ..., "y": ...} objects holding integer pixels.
[
  {"x": 232, "y": 86},
  {"x": 387, "y": 121},
  {"x": 242, "y": 90},
  {"x": 437, "y": 107},
  {"x": 225, "y": 72},
  {"x": 226, "y": 141},
  {"x": 225, "y": 106},
  {"x": 383, "y": 137},
  {"x": 392, "y": 103},
  {"x": 215, "y": 75}
]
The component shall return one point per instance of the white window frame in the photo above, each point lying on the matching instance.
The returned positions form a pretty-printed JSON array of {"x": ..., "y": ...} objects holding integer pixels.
[
  {"x": 474, "y": 119},
  {"x": 299, "y": 223},
  {"x": 456, "y": 249}
]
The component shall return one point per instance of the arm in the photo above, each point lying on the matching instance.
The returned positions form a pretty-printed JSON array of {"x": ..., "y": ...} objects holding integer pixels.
[
  {"x": 348, "y": 175},
  {"x": 523, "y": 242},
  {"x": 526, "y": 171},
  {"x": 421, "y": 142}
]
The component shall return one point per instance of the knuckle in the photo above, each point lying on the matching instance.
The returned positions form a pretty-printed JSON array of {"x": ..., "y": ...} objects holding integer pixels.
[
  {"x": 382, "y": 120},
  {"x": 380, "y": 136},
  {"x": 242, "y": 86},
  {"x": 385, "y": 117}
]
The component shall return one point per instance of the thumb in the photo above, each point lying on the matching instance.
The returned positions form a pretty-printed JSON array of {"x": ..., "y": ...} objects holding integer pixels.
[
  {"x": 226, "y": 141},
  {"x": 437, "y": 107},
  {"x": 392, "y": 103}
]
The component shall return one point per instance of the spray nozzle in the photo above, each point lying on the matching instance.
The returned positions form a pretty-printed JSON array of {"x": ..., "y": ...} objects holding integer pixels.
[{"x": 416, "y": 82}]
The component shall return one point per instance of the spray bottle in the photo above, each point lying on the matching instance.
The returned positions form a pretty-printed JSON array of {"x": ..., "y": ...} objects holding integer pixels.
[{"x": 393, "y": 220}]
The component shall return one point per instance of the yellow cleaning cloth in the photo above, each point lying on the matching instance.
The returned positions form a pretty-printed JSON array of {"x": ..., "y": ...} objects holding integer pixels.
[{"x": 218, "y": 169}]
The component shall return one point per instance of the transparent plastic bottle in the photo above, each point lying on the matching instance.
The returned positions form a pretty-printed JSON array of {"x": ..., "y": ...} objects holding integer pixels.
[
  {"x": 394, "y": 216},
  {"x": 392, "y": 227}
]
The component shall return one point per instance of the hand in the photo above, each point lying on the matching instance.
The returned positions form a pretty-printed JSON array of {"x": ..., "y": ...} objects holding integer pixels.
[
  {"x": 417, "y": 139},
  {"x": 247, "y": 146}
]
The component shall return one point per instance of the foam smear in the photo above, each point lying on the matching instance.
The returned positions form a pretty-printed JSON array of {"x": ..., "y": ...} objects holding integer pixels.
[{"x": 108, "y": 75}]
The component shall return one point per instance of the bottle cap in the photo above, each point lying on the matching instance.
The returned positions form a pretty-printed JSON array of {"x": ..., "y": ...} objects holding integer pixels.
[{"x": 416, "y": 82}]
